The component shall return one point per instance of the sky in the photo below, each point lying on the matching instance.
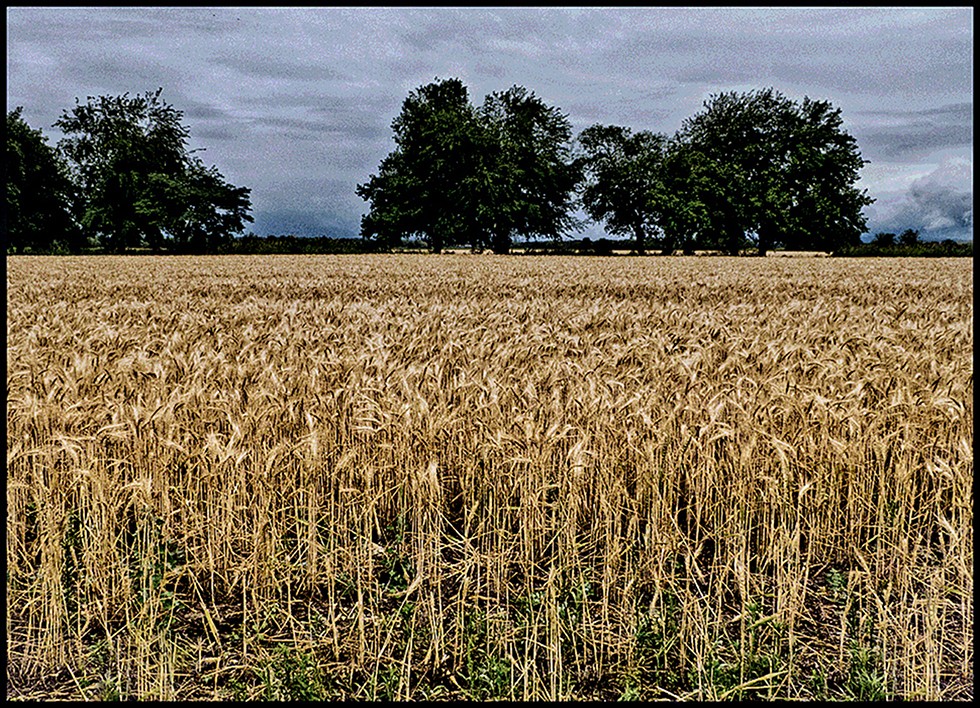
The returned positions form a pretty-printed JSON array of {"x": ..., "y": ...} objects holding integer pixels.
[{"x": 297, "y": 103}]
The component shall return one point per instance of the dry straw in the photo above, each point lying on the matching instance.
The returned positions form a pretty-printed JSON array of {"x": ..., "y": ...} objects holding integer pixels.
[{"x": 460, "y": 476}]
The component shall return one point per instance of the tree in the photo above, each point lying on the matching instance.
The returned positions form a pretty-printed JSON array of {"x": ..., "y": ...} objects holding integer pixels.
[
  {"x": 140, "y": 184},
  {"x": 425, "y": 187},
  {"x": 790, "y": 170},
  {"x": 883, "y": 239},
  {"x": 460, "y": 175},
  {"x": 621, "y": 169},
  {"x": 529, "y": 175},
  {"x": 213, "y": 210},
  {"x": 39, "y": 192},
  {"x": 684, "y": 197},
  {"x": 909, "y": 237}
]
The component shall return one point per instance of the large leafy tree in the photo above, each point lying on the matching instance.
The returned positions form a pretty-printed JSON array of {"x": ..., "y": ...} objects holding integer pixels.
[
  {"x": 682, "y": 197},
  {"x": 140, "y": 184},
  {"x": 621, "y": 170},
  {"x": 40, "y": 194},
  {"x": 209, "y": 210},
  {"x": 461, "y": 175},
  {"x": 785, "y": 172},
  {"x": 529, "y": 173},
  {"x": 425, "y": 187}
]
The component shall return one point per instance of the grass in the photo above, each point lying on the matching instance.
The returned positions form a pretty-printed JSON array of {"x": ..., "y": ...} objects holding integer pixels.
[{"x": 406, "y": 477}]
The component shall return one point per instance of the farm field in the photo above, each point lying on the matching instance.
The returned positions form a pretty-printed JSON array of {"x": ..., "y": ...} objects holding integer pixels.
[{"x": 471, "y": 476}]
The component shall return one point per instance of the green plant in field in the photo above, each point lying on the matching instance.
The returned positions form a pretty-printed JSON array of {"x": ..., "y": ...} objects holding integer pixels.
[
  {"x": 837, "y": 582},
  {"x": 631, "y": 690},
  {"x": 397, "y": 569},
  {"x": 866, "y": 678},
  {"x": 486, "y": 676},
  {"x": 292, "y": 675},
  {"x": 386, "y": 687},
  {"x": 718, "y": 676},
  {"x": 818, "y": 685}
]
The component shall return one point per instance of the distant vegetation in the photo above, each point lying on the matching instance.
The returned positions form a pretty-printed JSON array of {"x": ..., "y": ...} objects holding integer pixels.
[
  {"x": 122, "y": 178},
  {"x": 752, "y": 167},
  {"x": 750, "y": 173},
  {"x": 907, "y": 244}
]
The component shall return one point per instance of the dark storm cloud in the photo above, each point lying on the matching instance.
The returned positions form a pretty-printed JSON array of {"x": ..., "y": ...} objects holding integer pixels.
[{"x": 297, "y": 103}]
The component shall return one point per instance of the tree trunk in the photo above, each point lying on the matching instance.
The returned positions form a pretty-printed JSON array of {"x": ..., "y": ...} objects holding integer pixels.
[
  {"x": 640, "y": 245},
  {"x": 766, "y": 239},
  {"x": 733, "y": 238},
  {"x": 501, "y": 244}
]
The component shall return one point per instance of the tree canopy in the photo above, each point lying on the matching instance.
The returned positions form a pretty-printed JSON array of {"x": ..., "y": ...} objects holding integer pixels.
[
  {"x": 621, "y": 169},
  {"x": 40, "y": 193},
  {"x": 749, "y": 169},
  {"x": 784, "y": 171},
  {"x": 752, "y": 168},
  {"x": 461, "y": 175},
  {"x": 139, "y": 184}
]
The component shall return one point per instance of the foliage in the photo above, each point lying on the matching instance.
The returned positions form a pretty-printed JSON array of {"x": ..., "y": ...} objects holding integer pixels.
[
  {"x": 685, "y": 196},
  {"x": 883, "y": 239},
  {"x": 463, "y": 176},
  {"x": 139, "y": 184},
  {"x": 253, "y": 244},
  {"x": 213, "y": 210},
  {"x": 909, "y": 237},
  {"x": 621, "y": 169},
  {"x": 38, "y": 215},
  {"x": 920, "y": 249},
  {"x": 529, "y": 186},
  {"x": 785, "y": 171},
  {"x": 425, "y": 186}
]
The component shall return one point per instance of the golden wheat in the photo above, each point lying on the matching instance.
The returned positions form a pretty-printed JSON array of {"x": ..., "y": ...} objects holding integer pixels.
[{"x": 470, "y": 476}]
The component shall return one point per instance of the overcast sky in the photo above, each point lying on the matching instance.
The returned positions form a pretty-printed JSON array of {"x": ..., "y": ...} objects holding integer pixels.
[{"x": 297, "y": 103}]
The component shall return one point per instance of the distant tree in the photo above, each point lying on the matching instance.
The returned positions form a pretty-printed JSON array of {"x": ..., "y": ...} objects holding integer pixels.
[
  {"x": 210, "y": 210},
  {"x": 884, "y": 239},
  {"x": 38, "y": 214},
  {"x": 139, "y": 184},
  {"x": 529, "y": 176},
  {"x": 909, "y": 237},
  {"x": 789, "y": 170},
  {"x": 427, "y": 186},
  {"x": 621, "y": 169},
  {"x": 686, "y": 197},
  {"x": 460, "y": 175}
]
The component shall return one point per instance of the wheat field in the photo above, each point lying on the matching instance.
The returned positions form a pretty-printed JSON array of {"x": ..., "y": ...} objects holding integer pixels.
[{"x": 475, "y": 477}]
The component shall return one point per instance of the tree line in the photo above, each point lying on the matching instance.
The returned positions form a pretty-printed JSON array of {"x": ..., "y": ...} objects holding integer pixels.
[
  {"x": 753, "y": 169},
  {"x": 750, "y": 170}
]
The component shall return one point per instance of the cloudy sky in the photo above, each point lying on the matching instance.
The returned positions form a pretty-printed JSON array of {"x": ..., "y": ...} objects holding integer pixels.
[{"x": 297, "y": 103}]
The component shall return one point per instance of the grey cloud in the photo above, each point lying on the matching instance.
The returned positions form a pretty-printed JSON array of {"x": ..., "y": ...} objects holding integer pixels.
[
  {"x": 903, "y": 135},
  {"x": 317, "y": 129},
  {"x": 941, "y": 207},
  {"x": 472, "y": 30},
  {"x": 938, "y": 204},
  {"x": 216, "y": 133},
  {"x": 277, "y": 68},
  {"x": 195, "y": 110},
  {"x": 115, "y": 24}
]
